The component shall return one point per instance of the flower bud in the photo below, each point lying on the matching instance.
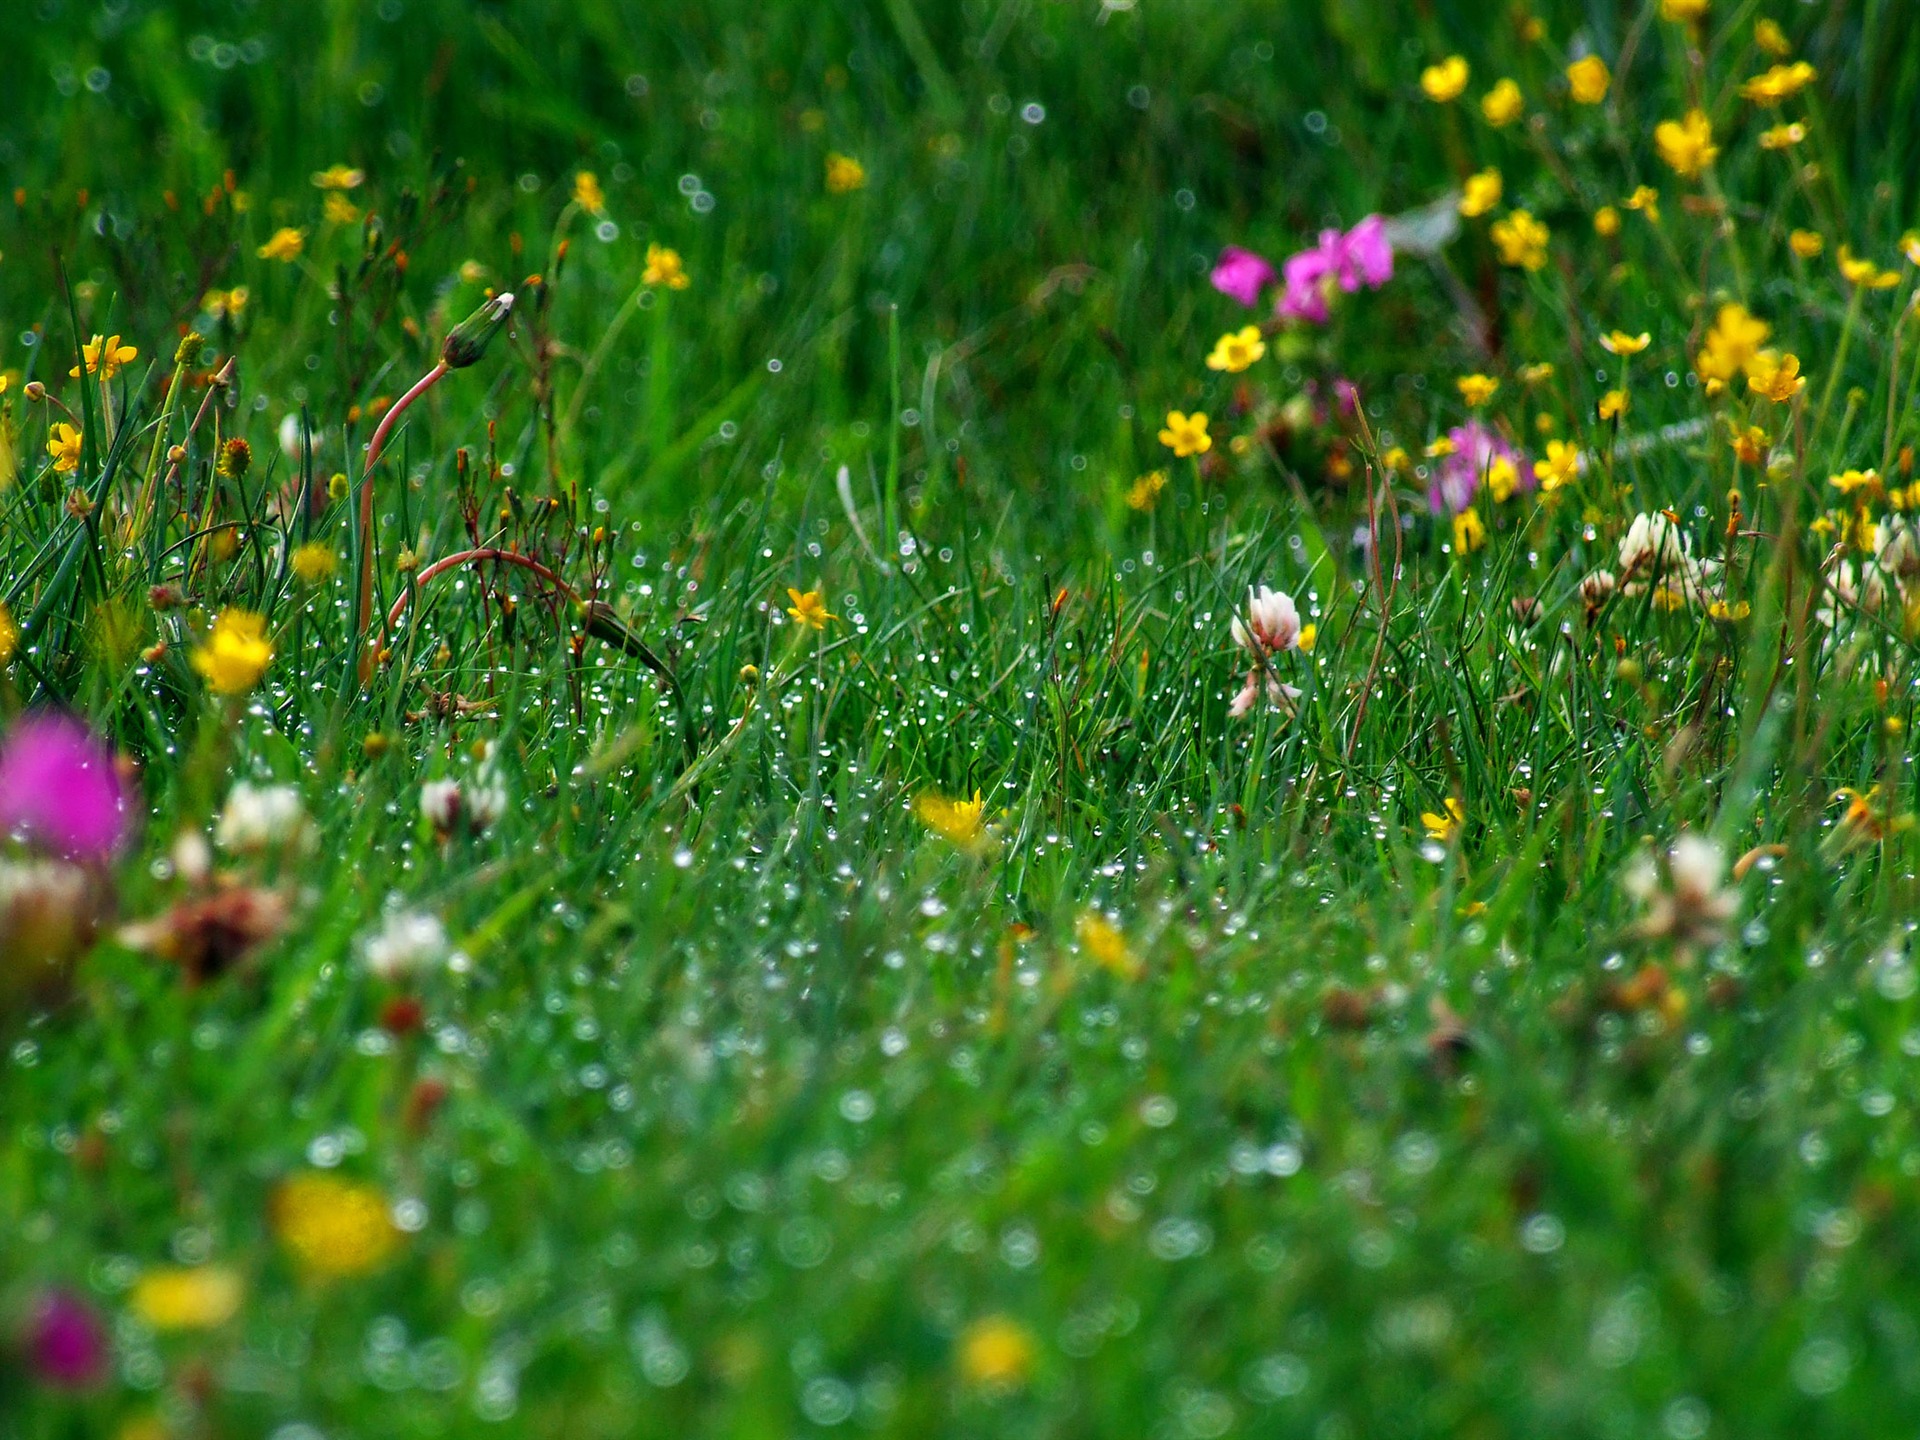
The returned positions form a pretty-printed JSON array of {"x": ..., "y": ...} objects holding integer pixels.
[
  {"x": 467, "y": 343},
  {"x": 35, "y": 392},
  {"x": 189, "y": 348}
]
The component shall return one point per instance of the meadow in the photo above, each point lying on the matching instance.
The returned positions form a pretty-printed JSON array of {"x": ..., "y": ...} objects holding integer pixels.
[{"x": 1004, "y": 717}]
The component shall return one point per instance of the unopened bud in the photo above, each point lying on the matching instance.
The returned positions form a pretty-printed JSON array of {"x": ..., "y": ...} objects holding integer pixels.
[
  {"x": 35, "y": 392},
  {"x": 468, "y": 342},
  {"x": 189, "y": 348}
]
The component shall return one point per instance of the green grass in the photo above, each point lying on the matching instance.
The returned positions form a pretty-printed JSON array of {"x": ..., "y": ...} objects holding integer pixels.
[{"x": 757, "y": 1097}]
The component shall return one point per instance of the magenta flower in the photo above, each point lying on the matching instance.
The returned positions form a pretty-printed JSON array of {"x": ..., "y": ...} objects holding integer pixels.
[
  {"x": 66, "y": 1343},
  {"x": 1457, "y": 477},
  {"x": 1242, "y": 274},
  {"x": 1357, "y": 257},
  {"x": 59, "y": 789}
]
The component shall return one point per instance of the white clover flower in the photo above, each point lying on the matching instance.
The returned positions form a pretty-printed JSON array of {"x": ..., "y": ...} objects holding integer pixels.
[
  {"x": 1690, "y": 908},
  {"x": 1272, "y": 624},
  {"x": 407, "y": 942},
  {"x": 261, "y": 817},
  {"x": 442, "y": 804},
  {"x": 1654, "y": 549}
]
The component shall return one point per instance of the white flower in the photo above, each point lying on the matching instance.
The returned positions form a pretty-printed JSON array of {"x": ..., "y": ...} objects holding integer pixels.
[
  {"x": 1690, "y": 908},
  {"x": 1654, "y": 549},
  {"x": 1272, "y": 624},
  {"x": 408, "y": 942},
  {"x": 1597, "y": 587},
  {"x": 261, "y": 817},
  {"x": 442, "y": 804},
  {"x": 1896, "y": 549},
  {"x": 1280, "y": 695}
]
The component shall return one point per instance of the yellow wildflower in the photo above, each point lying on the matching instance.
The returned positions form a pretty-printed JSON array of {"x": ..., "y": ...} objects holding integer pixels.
[
  {"x": 203, "y": 1297},
  {"x": 285, "y": 246},
  {"x": 1783, "y": 136},
  {"x": 338, "y": 210},
  {"x": 1481, "y": 193},
  {"x": 1910, "y": 246},
  {"x": 226, "y": 304},
  {"x": 1444, "y": 82},
  {"x": 9, "y": 634},
  {"x": 1440, "y": 447},
  {"x": 1750, "y": 445},
  {"x": 332, "y": 1227},
  {"x": 1689, "y": 12},
  {"x": 1606, "y": 221},
  {"x": 1503, "y": 104},
  {"x": 996, "y": 1353},
  {"x": 1146, "y": 490},
  {"x": 1618, "y": 342},
  {"x": 808, "y": 608},
  {"x": 845, "y": 174},
  {"x": 313, "y": 561},
  {"x": 63, "y": 444},
  {"x": 1308, "y": 637},
  {"x": 587, "y": 193},
  {"x": 339, "y": 177},
  {"x": 104, "y": 355},
  {"x": 1469, "y": 534},
  {"x": 959, "y": 822},
  {"x": 1237, "y": 350},
  {"x": 1502, "y": 479},
  {"x": 1476, "y": 390},
  {"x": 664, "y": 268},
  {"x": 1768, "y": 35},
  {"x": 1646, "y": 200},
  {"x": 1686, "y": 145},
  {"x": 1806, "y": 243},
  {"x": 1560, "y": 467},
  {"x": 1734, "y": 339},
  {"x": 1520, "y": 240},
  {"x": 236, "y": 652},
  {"x": 1186, "y": 434},
  {"x": 1102, "y": 940},
  {"x": 1588, "y": 79},
  {"x": 1537, "y": 373},
  {"x": 1847, "y": 482},
  {"x": 1443, "y": 826},
  {"x": 1614, "y": 404},
  {"x": 1781, "y": 82},
  {"x": 1864, "y": 274},
  {"x": 1777, "y": 377},
  {"x": 1728, "y": 613}
]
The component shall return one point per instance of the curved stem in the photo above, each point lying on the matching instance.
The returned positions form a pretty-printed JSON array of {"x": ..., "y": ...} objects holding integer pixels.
[
  {"x": 469, "y": 557},
  {"x": 374, "y": 448}
]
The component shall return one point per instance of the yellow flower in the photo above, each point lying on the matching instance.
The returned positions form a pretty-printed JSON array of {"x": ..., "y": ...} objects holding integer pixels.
[
  {"x": 1721, "y": 610},
  {"x": 587, "y": 193},
  {"x": 1783, "y": 136},
  {"x": 1750, "y": 444},
  {"x": 845, "y": 174},
  {"x": 1521, "y": 240},
  {"x": 332, "y": 1227},
  {"x": 1503, "y": 104},
  {"x": 9, "y": 634},
  {"x": 1683, "y": 11},
  {"x": 1588, "y": 79},
  {"x": 1236, "y": 350},
  {"x": 1502, "y": 479},
  {"x": 63, "y": 444},
  {"x": 959, "y": 822},
  {"x": 1444, "y": 826},
  {"x": 1614, "y": 404},
  {"x": 1646, "y": 200},
  {"x": 1806, "y": 243},
  {"x": 1444, "y": 82},
  {"x": 1476, "y": 390},
  {"x": 997, "y": 1353},
  {"x": 1768, "y": 35},
  {"x": 1537, "y": 373},
  {"x": 1186, "y": 434},
  {"x": 1606, "y": 221},
  {"x": 664, "y": 268},
  {"x": 285, "y": 246},
  {"x": 1560, "y": 467},
  {"x": 338, "y": 210},
  {"x": 1686, "y": 145},
  {"x": 105, "y": 353},
  {"x": 236, "y": 652},
  {"x": 1910, "y": 246},
  {"x": 1308, "y": 637},
  {"x": 1864, "y": 274},
  {"x": 1782, "y": 82},
  {"x": 339, "y": 177},
  {"x": 1146, "y": 490},
  {"x": 1849, "y": 481},
  {"x": 1440, "y": 447},
  {"x": 1618, "y": 342},
  {"x": 201, "y": 1298},
  {"x": 1102, "y": 940},
  {"x": 808, "y": 608},
  {"x": 1777, "y": 377},
  {"x": 226, "y": 304},
  {"x": 1469, "y": 534},
  {"x": 313, "y": 561},
  {"x": 1481, "y": 193},
  {"x": 1735, "y": 337}
]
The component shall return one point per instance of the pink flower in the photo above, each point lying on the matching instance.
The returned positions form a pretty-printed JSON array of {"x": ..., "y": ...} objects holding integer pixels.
[
  {"x": 1368, "y": 254},
  {"x": 1360, "y": 256},
  {"x": 1458, "y": 475},
  {"x": 1305, "y": 297},
  {"x": 1242, "y": 274},
  {"x": 1279, "y": 694},
  {"x": 1272, "y": 623},
  {"x": 66, "y": 1341},
  {"x": 59, "y": 789}
]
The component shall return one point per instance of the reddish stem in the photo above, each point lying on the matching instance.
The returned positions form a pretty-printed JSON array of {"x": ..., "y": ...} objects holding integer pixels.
[
  {"x": 469, "y": 557},
  {"x": 374, "y": 447}
]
